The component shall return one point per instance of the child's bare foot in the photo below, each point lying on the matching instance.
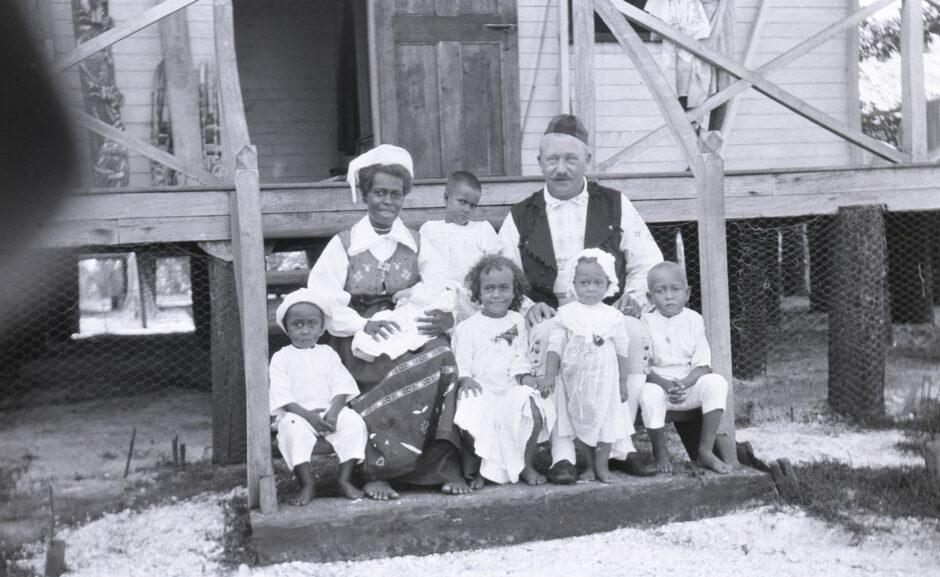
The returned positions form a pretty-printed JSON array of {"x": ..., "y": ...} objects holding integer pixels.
[
  {"x": 709, "y": 460},
  {"x": 602, "y": 471},
  {"x": 304, "y": 496},
  {"x": 587, "y": 475},
  {"x": 455, "y": 488},
  {"x": 663, "y": 464},
  {"x": 477, "y": 482},
  {"x": 379, "y": 490},
  {"x": 349, "y": 490},
  {"x": 532, "y": 477}
]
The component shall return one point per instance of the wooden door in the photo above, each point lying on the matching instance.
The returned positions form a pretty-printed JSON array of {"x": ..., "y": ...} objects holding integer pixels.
[{"x": 449, "y": 84}]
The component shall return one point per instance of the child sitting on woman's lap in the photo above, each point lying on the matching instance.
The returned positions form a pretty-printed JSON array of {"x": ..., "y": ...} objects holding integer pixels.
[
  {"x": 587, "y": 358},
  {"x": 680, "y": 367},
  {"x": 499, "y": 405},
  {"x": 308, "y": 394}
]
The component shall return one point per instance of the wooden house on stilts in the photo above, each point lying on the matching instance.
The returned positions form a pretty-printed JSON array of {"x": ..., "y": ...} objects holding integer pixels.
[{"x": 224, "y": 124}]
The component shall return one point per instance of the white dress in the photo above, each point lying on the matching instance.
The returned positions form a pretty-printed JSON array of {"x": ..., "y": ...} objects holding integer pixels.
[
  {"x": 461, "y": 246},
  {"x": 493, "y": 352},
  {"x": 588, "y": 339}
]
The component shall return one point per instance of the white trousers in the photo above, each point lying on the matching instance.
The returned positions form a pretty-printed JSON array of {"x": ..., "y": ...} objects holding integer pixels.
[
  {"x": 296, "y": 438},
  {"x": 563, "y": 448},
  {"x": 708, "y": 393}
]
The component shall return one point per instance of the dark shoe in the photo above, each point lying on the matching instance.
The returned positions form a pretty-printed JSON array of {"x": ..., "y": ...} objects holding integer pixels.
[
  {"x": 636, "y": 465},
  {"x": 563, "y": 473}
]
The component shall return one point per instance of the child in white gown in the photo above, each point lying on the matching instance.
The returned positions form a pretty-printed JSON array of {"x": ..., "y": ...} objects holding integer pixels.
[{"x": 587, "y": 359}]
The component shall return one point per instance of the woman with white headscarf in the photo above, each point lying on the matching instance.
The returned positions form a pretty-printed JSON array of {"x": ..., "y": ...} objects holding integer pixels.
[{"x": 407, "y": 402}]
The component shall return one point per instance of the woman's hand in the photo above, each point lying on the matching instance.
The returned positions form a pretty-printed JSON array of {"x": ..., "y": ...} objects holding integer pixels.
[
  {"x": 537, "y": 313},
  {"x": 435, "y": 323},
  {"x": 380, "y": 329}
]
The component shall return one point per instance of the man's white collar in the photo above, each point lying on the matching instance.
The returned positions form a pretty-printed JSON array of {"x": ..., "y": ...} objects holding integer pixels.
[
  {"x": 362, "y": 237},
  {"x": 551, "y": 202}
]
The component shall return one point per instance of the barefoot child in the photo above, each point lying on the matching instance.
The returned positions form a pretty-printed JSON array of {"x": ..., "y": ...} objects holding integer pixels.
[
  {"x": 458, "y": 239},
  {"x": 499, "y": 404},
  {"x": 680, "y": 367},
  {"x": 308, "y": 394},
  {"x": 587, "y": 358}
]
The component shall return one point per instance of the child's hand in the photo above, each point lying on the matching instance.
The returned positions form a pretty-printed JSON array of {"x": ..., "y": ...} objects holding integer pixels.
[
  {"x": 319, "y": 423},
  {"x": 623, "y": 391},
  {"x": 547, "y": 385},
  {"x": 677, "y": 393},
  {"x": 402, "y": 295},
  {"x": 469, "y": 387},
  {"x": 330, "y": 419}
]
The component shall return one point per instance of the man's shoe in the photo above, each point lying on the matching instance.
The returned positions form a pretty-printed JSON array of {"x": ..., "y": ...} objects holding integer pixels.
[
  {"x": 637, "y": 466},
  {"x": 563, "y": 473}
]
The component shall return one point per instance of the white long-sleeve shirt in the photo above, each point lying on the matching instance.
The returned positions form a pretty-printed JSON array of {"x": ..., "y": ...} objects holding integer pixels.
[{"x": 567, "y": 220}]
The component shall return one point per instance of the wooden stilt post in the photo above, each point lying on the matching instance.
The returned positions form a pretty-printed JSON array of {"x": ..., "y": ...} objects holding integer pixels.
[
  {"x": 248, "y": 249},
  {"x": 583, "y": 27},
  {"x": 858, "y": 313},
  {"x": 713, "y": 263}
]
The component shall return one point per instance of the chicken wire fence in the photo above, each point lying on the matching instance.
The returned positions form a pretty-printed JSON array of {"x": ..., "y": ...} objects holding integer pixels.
[
  {"x": 829, "y": 307},
  {"x": 136, "y": 330}
]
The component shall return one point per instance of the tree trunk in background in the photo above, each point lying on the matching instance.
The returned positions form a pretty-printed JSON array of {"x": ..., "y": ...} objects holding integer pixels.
[
  {"x": 910, "y": 273},
  {"x": 229, "y": 422},
  {"x": 752, "y": 259},
  {"x": 858, "y": 313}
]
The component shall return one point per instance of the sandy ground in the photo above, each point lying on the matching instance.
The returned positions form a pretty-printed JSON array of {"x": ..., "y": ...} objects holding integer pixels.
[{"x": 185, "y": 538}]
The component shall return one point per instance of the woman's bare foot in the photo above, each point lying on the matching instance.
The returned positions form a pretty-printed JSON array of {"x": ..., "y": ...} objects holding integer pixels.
[
  {"x": 532, "y": 477},
  {"x": 379, "y": 490},
  {"x": 455, "y": 488},
  {"x": 477, "y": 482},
  {"x": 304, "y": 496},
  {"x": 349, "y": 490},
  {"x": 709, "y": 460}
]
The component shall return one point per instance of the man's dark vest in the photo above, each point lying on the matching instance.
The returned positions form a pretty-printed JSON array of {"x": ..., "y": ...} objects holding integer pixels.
[{"x": 602, "y": 230}]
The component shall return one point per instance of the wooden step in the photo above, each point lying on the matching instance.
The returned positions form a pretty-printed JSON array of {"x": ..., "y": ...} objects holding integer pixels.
[{"x": 423, "y": 522}]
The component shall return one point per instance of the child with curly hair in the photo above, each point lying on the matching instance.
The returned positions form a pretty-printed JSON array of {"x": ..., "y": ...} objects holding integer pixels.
[
  {"x": 587, "y": 352},
  {"x": 499, "y": 405}
]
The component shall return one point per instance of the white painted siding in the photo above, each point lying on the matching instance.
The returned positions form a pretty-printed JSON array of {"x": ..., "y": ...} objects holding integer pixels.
[{"x": 765, "y": 136}]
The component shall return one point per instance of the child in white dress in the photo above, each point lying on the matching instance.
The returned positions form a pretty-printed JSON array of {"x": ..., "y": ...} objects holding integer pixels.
[
  {"x": 499, "y": 404},
  {"x": 308, "y": 394},
  {"x": 587, "y": 359},
  {"x": 680, "y": 376},
  {"x": 459, "y": 240}
]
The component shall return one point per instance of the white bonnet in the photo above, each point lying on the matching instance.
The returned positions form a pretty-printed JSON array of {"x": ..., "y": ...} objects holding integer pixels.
[
  {"x": 381, "y": 154},
  {"x": 607, "y": 264},
  {"x": 316, "y": 297}
]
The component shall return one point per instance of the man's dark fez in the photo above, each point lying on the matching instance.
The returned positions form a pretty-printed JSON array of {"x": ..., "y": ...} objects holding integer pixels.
[{"x": 568, "y": 124}]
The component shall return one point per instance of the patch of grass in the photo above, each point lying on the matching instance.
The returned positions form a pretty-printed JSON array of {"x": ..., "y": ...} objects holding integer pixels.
[
  {"x": 236, "y": 540},
  {"x": 840, "y": 494},
  {"x": 9, "y": 566}
]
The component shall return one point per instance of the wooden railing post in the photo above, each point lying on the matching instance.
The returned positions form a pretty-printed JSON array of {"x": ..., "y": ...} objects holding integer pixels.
[
  {"x": 583, "y": 27},
  {"x": 913, "y": 95},
  {"x": 713, "y": 263},
  {"x": 248, "y": 249}
]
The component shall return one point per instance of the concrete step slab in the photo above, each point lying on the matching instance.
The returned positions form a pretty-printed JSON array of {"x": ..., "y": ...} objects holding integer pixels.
[{"x": 423, "y": 522}]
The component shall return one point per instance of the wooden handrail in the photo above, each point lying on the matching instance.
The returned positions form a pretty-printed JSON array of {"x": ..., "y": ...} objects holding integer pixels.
[{"x": 746, "y": 76}]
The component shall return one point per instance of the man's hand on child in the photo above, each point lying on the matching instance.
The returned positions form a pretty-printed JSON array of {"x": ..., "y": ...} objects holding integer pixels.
[
  {"x": 629, "y": 306},
  {"x": 546, "y": 385},
  {"x": 380, "y": 329},
  {"x": 469, "y": 387},
  {"x": 538, "y": 313}
]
